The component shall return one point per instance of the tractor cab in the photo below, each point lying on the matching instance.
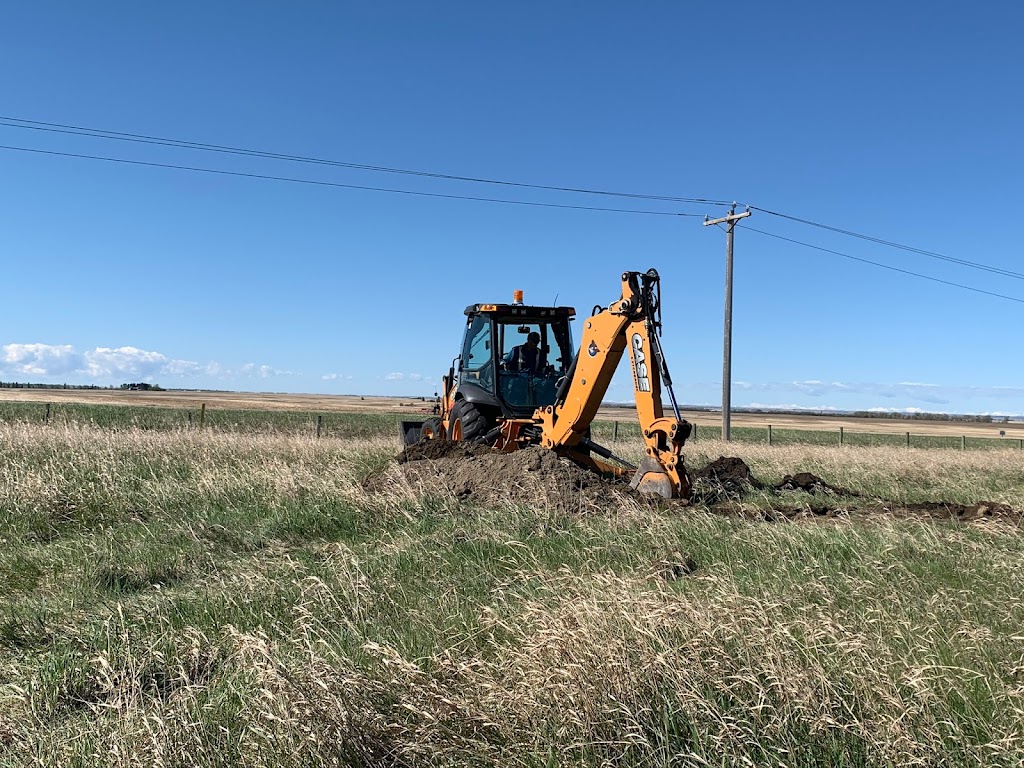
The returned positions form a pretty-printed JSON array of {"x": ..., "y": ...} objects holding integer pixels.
[{"x": 513, "y": 356}]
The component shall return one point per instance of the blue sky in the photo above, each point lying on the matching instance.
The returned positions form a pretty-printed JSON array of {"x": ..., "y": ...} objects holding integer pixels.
[{"x": 897, "y": 120}]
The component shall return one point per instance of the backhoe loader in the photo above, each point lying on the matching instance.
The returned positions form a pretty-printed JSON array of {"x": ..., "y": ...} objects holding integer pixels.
[{"x": 499, "y": 395}]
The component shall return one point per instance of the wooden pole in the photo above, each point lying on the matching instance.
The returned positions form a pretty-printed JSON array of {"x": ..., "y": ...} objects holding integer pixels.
[
  {"x": 769, "y": 434},
  {"x": 46, "y": 418},
  {"x": 615, "y": 431},
  {"x": 840, "y": 435},
  {"x": 319, "y": 424},
  {"x": 730, "y": 222},
  {"x": 202, "y": 415}
]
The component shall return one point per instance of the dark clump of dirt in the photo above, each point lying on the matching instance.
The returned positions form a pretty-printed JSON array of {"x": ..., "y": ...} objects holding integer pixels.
[
  {"x": 724, "y": 479},
  {"x": 729, "y": 471},
  {"x": 675, "y": 566},
  {"x": 810, "y": 483}
]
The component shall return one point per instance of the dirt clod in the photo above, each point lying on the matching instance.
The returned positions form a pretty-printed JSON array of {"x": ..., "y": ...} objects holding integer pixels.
[
  {"x": 675, "y": 566},
  {"x": 810, "y": 483}
]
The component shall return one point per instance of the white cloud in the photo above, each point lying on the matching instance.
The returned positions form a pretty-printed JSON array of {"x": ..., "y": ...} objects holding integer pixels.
[
  {"x": 267, "y": 371},
  {"x": 40, "y": 359},
  {"x": 104, "y": 363},
  {"x": 261, "y": 371},
  {"x": 113, "y": 365},
  {"x": 336, "y": 377}
]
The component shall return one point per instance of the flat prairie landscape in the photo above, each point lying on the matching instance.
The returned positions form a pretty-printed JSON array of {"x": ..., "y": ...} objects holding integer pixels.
[
  {"x": 245, "y": 593},
  {"x": 416, "y": 406}
]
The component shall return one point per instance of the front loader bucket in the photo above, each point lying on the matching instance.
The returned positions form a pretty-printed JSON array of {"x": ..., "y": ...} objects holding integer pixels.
[{"x": 410, "y": 432}]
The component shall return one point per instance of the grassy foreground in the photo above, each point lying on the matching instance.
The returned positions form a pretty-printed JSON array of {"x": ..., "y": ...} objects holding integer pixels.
[{"x": 182, "y": 598}]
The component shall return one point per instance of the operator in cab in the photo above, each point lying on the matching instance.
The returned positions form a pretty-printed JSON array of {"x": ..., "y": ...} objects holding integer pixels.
[{"x": 528, "y": 357}]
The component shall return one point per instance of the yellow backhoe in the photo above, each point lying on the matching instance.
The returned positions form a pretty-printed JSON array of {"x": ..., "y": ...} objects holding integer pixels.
[{"x": 543, "y": 391}]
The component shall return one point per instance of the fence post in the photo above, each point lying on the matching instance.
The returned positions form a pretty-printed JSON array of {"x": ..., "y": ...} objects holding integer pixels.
[
  {"x": 908, "y": 439},
  {"x": 319, "y": 424},
  {"x": 46, "y": 418},
  {"x": 963, "y": 442},
  {"x": 190, "y": 419},
  {"x": 202, "y": 415},
  {"x": 840, "y": 435},
  {"x": 769, "y": 434},
  {"x": 695, "y": 435},
  {"x": 615, "y": 431}
]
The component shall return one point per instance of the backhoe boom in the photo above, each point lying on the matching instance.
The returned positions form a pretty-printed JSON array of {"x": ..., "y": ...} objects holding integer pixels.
[{"x": 632, "y": 323}]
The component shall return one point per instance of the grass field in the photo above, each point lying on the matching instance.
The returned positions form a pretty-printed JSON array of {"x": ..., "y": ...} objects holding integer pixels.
[
  {"x": 236, "y": 596},
  {"x": 350, "y": 416}
]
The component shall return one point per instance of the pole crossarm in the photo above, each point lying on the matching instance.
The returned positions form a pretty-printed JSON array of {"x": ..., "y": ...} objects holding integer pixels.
[{"x": 730, "y": 218}]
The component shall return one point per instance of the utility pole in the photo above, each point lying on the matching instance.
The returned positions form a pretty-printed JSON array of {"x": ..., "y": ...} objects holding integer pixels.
[{"x": 730, "y": 222}]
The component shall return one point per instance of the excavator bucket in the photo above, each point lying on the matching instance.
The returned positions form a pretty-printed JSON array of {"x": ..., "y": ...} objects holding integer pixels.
[
  {"x": 651, "y": 479},
  {"x": 410, "y": 432}
]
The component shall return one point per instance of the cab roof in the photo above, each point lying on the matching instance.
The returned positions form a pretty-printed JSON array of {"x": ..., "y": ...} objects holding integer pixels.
[{"x": 518, "y": 311}]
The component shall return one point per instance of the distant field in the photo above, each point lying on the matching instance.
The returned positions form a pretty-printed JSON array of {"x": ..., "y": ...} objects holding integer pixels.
[{"x": 416, "y": 407}]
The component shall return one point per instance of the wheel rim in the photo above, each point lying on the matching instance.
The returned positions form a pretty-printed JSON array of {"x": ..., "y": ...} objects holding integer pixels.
[{"x": 456, "y": 430}]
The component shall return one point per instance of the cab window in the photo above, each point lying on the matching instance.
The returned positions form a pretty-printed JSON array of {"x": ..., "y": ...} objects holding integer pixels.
[{"x": 476, "y": 352}]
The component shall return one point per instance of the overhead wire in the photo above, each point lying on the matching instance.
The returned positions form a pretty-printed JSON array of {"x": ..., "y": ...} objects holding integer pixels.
[
  {"x": 38, "y": 125},
  {"x": 883, "y": 266},
  {"x": 68, "y": 129},
  {"x": 892, "y": 244},
  {"x": 316, "y": 182}
]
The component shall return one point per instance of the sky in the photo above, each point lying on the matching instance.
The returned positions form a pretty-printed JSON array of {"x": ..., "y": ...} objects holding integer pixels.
[{"x": 898, "y": 121}]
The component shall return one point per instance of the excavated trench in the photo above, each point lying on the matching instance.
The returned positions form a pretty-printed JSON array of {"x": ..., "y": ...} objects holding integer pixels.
[{"x": 540, "y": 478}]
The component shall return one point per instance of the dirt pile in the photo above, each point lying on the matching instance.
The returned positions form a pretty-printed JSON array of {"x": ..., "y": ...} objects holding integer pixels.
[
  {"x": 539, "y": 478},
  {"x": 533, "y": 477},
  {"x": 724, "y": 479}
]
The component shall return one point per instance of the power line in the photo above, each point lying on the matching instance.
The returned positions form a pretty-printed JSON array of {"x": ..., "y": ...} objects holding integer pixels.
[
  {"x": 885, "y": 266},
  {"x": 345, "y": 186},
  {"x": 901, "y": 246},
  {"x": 98, "y": 133}
]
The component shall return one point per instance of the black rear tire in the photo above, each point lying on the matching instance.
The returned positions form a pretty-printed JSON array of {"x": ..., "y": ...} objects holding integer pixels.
[{"x": 467, "y": 423}]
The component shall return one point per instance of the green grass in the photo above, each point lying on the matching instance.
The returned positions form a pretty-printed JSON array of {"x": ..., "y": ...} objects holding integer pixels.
[
  {"x": 238, "y": 597},
  {"x": 333, "y": 424}
]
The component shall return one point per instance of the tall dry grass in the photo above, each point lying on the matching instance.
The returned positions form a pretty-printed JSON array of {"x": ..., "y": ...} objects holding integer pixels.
[{"x": 184, "y": 598}]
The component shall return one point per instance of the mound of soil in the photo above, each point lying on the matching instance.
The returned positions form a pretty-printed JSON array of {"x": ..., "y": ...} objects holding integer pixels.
[
  {"x": 729, "y": 471},
  {"x": 724, "y": 479},
  {"x": 540, "y": 478},
  {"x": 533, "y": 476}
]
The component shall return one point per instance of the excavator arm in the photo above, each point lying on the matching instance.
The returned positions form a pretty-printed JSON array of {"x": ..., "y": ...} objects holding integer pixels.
[{"x": 631, "y": 323}]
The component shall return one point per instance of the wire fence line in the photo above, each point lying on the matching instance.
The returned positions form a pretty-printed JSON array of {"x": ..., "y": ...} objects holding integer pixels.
[{"x": 350, "y": 424}]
